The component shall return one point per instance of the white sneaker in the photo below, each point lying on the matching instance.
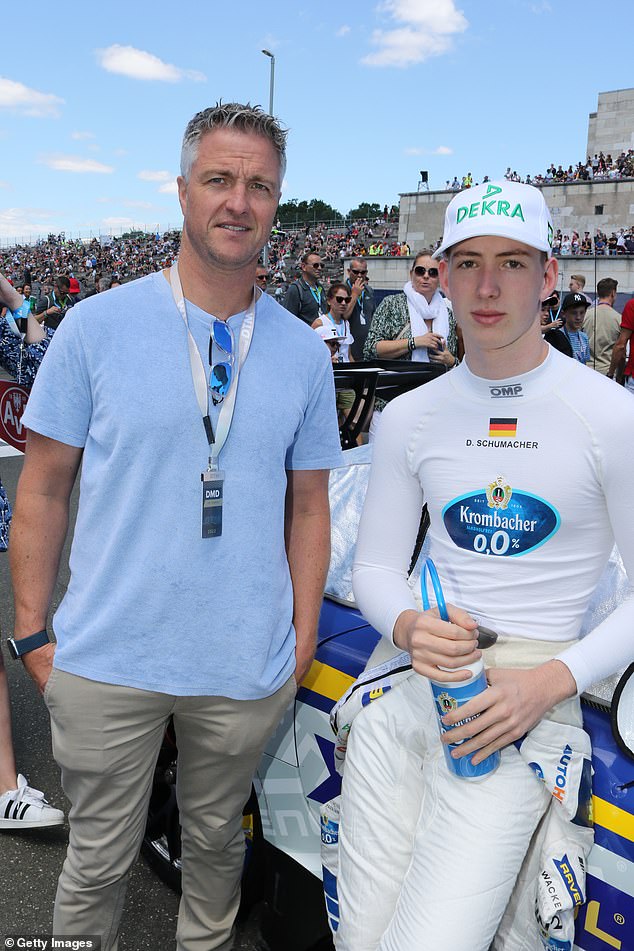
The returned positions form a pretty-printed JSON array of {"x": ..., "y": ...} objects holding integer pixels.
[{"x": 26, "y": 808}]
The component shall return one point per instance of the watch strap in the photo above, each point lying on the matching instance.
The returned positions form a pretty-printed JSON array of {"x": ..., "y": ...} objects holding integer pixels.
[{"x": 26, "y": 644}]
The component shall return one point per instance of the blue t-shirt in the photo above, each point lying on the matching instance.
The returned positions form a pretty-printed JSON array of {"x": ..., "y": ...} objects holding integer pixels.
[
  {"x": 580, "y": 345},
  {"x": 150, "y": 603}
]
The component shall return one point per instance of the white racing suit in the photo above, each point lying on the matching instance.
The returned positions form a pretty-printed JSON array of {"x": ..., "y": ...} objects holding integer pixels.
[{"x": 551, "y": 767}]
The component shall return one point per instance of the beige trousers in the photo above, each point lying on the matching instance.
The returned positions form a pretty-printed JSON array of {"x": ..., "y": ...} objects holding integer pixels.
[{"x": 106, "y": 740}]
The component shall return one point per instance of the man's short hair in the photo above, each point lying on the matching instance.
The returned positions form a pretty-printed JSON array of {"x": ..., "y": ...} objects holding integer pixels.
[
  {"x": 232, "y": 115},
  {"x": 309, "y": 254},
  {"x": 605, "y": 286},
  {"x": 579, "y": 278},
  {"x": 63, "y": 283}
]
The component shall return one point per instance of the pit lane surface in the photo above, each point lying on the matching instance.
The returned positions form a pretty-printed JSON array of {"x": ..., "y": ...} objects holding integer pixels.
[{"x": 30, "y": 861}]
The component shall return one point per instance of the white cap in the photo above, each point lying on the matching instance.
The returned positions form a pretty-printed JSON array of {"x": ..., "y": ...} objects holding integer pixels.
[
  {"x": 330, "y": 333},
  {"x": 501, "y": 209}
]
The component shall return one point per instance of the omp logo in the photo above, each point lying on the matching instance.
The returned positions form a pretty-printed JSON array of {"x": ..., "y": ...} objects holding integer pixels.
[
  {"x": 504, "y": 392},
  {"x": 563, "y": 867}
]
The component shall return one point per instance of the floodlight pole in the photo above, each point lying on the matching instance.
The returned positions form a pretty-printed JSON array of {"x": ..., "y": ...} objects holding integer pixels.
[
  {"x": 272, "y": 80},
  {"x": 271, "y": 92}
]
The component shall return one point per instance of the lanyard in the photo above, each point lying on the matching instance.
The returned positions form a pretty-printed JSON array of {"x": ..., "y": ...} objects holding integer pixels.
[
  {"x": 199, "y": 376},
  {"x": 316, "y": 296}
]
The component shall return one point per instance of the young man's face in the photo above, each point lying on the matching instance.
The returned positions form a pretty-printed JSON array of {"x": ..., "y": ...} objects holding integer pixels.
[
  {"x": 575, "y": 286},
  {"x": 574, "y": 317},
  {"x": 496, "y": 286}
]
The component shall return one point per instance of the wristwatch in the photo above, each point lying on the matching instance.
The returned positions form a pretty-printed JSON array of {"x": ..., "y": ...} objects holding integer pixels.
[{"x": 24, "y": 645}]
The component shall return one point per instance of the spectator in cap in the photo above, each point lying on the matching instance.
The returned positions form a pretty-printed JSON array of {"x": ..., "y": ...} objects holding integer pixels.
[
  {"x": 574, "y": 311},
  {"x": 332, "y": 340}
]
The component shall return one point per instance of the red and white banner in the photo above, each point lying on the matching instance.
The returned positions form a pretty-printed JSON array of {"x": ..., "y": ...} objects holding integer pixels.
[{"x": 13, "y": 399}]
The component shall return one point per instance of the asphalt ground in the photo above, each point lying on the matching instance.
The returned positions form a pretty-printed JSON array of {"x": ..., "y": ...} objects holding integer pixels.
[{"x": 30, "y": 861}]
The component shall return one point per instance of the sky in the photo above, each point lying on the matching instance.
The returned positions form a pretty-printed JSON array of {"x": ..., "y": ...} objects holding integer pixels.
[{"x": 94, "y": 100}]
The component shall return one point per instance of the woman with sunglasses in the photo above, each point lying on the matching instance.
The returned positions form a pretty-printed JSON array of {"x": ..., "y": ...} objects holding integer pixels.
[
  {"x": 417, "y": 324},
  {"x": 338, "y": 298}
]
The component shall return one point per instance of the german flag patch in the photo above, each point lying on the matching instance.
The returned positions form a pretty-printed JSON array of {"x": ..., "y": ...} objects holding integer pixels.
[{"x": 499, "y": 427}]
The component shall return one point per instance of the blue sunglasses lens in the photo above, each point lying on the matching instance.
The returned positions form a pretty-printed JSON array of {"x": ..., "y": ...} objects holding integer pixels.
[
  {"x": 220, "y": 380},
  {"x": 222, "y": 336}
]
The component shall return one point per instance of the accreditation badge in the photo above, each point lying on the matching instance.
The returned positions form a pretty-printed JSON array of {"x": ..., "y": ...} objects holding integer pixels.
[{"x": 213, "y": 485}]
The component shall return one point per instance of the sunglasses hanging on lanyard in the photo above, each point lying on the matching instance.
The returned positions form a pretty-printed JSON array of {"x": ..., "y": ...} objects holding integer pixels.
[{"x": 222, "y": 385}]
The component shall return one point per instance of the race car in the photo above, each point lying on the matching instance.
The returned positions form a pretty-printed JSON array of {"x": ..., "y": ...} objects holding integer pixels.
[{"x": 297, "y": 773}]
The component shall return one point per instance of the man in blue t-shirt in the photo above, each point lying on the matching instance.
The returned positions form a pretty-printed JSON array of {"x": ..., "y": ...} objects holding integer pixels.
[{"x": 202, "y": 537}]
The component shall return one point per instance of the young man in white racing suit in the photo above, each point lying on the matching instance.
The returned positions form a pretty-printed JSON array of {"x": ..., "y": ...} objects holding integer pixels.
[{"x": 520, "y": 457}]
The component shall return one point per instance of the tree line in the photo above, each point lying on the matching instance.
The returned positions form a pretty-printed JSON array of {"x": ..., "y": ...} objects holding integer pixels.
[{"x": 305, "y": 212}]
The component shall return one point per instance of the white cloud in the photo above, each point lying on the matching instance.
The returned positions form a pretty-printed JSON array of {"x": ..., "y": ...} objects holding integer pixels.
[
  {"x": 29, "y": 102},
  {"x": 147, "y": 175},
  {"x": 130, "y": 203},
  {"x": 139, "y": 64},
  {"x": 115, "y": 222},
  {"x": 342, "y": 31},
  {"x": 426, "y": 29},
  {"x": 4, "y": 184},
  {"x": 169, "y": 188},
  {"x": 539, "y": 8},
  {"x": 24, "y": 222},
  {"x": 80, "y": 136},
  {"x": 440, "y": 150},
  {"x": 73, "y": 163}
]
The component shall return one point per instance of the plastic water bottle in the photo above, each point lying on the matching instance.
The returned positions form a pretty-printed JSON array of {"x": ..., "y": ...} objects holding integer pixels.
[
  {"x": 451, "y": 695},
  {"x": 329, "y": 821}
]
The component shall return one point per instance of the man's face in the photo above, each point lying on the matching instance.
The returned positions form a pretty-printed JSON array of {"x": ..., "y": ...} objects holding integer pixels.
[
  {"x": 575, "y": 286},
  {"x": 496, "y": 286},
  {"x": 230, "y": 198},
  {"x": 311, "y": 269},
  {"x": 261, "y": 277},
  {"x": 358, "y": 271},
  {"x": 574, "y": 317}
]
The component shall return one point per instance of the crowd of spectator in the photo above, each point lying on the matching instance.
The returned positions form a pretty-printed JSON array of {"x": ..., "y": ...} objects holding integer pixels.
[
  {"x": 600, "y": 167},
  {"x": 95, "y": 264}
]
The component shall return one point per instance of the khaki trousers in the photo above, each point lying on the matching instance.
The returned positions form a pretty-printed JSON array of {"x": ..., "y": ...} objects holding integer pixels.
[{"x": 106, "y": 740}]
